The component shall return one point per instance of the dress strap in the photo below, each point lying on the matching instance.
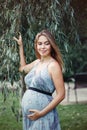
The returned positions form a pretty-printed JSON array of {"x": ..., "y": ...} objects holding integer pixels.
[
  {"x": 50, "y": 62},
  {"x": 37, "y": 63}
]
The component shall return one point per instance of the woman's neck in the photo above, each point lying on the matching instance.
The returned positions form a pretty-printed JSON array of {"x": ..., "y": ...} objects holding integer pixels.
[{"x": 45, "y": 59}]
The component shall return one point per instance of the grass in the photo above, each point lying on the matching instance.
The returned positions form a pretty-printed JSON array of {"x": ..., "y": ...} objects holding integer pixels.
[
  {"x": 8, "y": 113},
  {"x": 72, "y": 117}
]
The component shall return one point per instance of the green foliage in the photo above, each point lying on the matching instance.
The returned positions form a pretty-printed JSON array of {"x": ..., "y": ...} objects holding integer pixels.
[
  {"x": 8, "y": 118},
  {"x": 10, "y": 97},
  {"x": 9, "y": 60},
  {"x": 30, "y": 17},
  {"x": 72, "y": 117}
]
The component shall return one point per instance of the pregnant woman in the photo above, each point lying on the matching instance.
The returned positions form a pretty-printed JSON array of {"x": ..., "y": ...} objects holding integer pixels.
[{"x": 44, "y": 75}]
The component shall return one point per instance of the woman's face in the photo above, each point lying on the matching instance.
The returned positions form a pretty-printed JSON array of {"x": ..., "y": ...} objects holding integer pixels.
[{"x": 43, "y": 46}]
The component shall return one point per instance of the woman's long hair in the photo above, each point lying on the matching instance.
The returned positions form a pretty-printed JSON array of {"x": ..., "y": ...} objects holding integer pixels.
[{"x": 55, "y": 52}]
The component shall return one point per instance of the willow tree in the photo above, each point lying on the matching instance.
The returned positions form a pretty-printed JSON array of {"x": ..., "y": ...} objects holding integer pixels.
[{"x": 30, "y": 17}]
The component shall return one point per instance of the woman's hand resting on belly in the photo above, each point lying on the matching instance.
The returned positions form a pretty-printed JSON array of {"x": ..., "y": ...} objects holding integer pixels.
[{"x": 34, "y": 115}]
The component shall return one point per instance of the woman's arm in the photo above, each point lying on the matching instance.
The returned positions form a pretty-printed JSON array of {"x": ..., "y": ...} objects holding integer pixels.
[
  {"x": 23, "y": 66},
  {"x": 57, "y": 77}
]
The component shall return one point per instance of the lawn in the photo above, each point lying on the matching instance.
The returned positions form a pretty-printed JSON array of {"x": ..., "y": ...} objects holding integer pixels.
[
  {"x": 72, "y": 117},
  {"x": 8, "y": 118}
]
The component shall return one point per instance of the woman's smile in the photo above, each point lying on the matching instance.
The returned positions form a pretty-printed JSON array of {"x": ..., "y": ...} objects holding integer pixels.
[
  {"x": 43, "y": 46},
  {"x": 43, "y": 51}
]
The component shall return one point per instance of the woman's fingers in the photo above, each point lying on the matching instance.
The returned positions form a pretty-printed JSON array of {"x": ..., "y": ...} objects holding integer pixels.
[
  {"x": 35, "y": 114},
  {"x": 31, "y": 116},
  {"x": 15, "y": 38},
  {"x": 19, "y": 39},
  {"x": 19, "y": 33},
  {"x": 32, "y": 110}
]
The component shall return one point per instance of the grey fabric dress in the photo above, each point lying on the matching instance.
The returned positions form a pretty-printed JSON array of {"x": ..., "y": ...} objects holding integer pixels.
[{"x": 36, "y": 100}]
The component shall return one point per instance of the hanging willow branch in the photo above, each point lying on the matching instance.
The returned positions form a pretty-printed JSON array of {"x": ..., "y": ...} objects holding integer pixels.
[{"x": 29, "y": 17}]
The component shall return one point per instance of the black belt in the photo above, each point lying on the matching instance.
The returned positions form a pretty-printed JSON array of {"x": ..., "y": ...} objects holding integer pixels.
[{"x": 40, "y": 91}]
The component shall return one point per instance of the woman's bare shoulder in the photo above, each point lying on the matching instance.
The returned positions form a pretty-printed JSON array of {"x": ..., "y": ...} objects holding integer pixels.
[
  {"x": 36, "y": 61},
  {"x": 32, "y": 64},
  {"x": 54, "y": 67}
]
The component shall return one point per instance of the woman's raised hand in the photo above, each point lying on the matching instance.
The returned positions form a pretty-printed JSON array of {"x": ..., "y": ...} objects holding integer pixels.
[{"x": 19, "y": 39}]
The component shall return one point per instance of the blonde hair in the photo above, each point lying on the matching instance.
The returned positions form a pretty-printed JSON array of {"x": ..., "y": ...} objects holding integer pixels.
[{"x": 55, "y": 52}]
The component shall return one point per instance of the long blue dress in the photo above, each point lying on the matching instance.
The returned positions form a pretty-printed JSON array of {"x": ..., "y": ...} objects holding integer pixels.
[{"x": 36, "y": 100}]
